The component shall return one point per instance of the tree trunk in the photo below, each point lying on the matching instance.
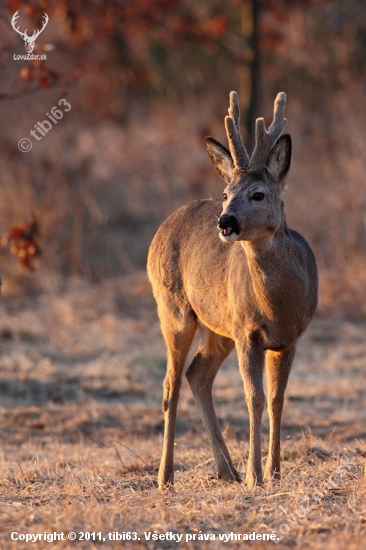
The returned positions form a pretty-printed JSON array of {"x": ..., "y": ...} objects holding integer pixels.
[{"x": 249, "y": 73}]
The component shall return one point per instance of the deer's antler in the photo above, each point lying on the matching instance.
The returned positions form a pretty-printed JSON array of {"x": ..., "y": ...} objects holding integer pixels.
[
  {"x": 237, "y": 149},
  {"x": 265, "y": 139}
]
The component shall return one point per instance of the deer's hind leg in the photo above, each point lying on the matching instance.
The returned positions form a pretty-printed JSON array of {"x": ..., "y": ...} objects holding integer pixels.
[
  {"x": 201, "y": 374},
  {"x": 178, "y": 328}
]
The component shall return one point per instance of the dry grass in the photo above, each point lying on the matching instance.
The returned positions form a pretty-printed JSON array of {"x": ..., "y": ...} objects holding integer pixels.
[{"x": 80, "y": 428}]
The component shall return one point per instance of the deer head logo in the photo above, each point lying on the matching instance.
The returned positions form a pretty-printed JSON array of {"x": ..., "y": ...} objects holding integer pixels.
[{"x": 29, "y": 40}]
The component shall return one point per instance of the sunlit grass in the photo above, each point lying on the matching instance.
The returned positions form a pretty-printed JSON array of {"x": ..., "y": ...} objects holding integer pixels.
[{"x": 81, "y": 431}]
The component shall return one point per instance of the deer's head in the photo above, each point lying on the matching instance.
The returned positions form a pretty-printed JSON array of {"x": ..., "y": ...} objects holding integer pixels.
[
  {"x": 29, "y": 40},
  {"x": 253, "y": 205}
]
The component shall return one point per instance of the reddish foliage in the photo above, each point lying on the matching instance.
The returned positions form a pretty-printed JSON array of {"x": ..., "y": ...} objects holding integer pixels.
[
  {"x": 77, "y": 73},
  {"x": 213, "y": 28},
  {"x": 38, "y": 72},
  {"x": 26, "y": 73},
  {"x": 13, "y": 5},
  {"x": 134, "y": 25},
  {"x": 24, "y": 245},
  {"x": 272, "y": 40}
]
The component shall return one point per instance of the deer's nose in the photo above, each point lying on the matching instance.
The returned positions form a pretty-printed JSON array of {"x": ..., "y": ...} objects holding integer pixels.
[{"x": 226, "y": 221}]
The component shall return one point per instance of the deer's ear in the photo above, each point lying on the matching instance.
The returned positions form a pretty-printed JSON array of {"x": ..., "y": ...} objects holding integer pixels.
[
  {"x": 221, "y": 158},
  {"x": 279, "y": 159}
]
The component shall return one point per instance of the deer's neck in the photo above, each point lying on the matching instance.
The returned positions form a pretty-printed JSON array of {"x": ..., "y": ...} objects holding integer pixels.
[
  {"x": 262, "y": 258},
  {"x": 263, "y": 251},
  {"x": 266, "y": 261}
]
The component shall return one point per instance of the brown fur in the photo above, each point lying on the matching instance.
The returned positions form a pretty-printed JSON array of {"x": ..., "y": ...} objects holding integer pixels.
[{"x": 255, "y": 289}]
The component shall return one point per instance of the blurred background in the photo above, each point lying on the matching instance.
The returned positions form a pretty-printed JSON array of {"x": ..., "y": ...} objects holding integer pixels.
[{"x": 147, "y": 80}]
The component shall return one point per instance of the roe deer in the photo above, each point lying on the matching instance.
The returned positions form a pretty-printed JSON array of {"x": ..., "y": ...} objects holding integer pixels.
[{"x": 252, "y": 286}]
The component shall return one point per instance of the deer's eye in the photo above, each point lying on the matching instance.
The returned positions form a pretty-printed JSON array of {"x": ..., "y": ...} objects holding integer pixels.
[
  {"x": 258, "y": 197},
  {"x": 224, "y": 196}
]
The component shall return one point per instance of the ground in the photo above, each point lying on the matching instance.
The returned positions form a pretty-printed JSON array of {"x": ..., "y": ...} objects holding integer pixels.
[{"x": 81, "y": 371}]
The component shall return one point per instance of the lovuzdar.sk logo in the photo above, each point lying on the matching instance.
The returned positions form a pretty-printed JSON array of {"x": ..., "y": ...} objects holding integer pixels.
[{"x": 29, "y": 40}]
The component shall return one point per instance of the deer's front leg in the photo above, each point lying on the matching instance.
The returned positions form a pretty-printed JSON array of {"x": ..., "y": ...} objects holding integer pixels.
[
  {"x": 251, "y": 363},
  {"x": 278, "y": 366}
]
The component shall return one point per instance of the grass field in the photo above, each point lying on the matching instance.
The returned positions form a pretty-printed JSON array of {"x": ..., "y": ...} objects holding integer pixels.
[{"x": 81, "y": 430}]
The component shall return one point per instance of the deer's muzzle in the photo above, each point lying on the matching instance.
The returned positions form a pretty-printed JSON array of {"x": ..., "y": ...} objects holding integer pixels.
[{"x": 228, "y": 225}]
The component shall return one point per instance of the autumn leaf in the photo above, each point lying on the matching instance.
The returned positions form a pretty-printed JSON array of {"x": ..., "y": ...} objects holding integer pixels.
[{"x": 22, "y": 238}]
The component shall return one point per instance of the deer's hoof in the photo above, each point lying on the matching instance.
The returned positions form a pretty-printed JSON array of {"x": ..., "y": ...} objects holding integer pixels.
[
  {"x": 254, "y": 481},
  {"x": 165, "y": 481},
  {"x": 229, "y": 475},
  {"x": 165, "y": 485},
  {"x": 270, "y": 475}
]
